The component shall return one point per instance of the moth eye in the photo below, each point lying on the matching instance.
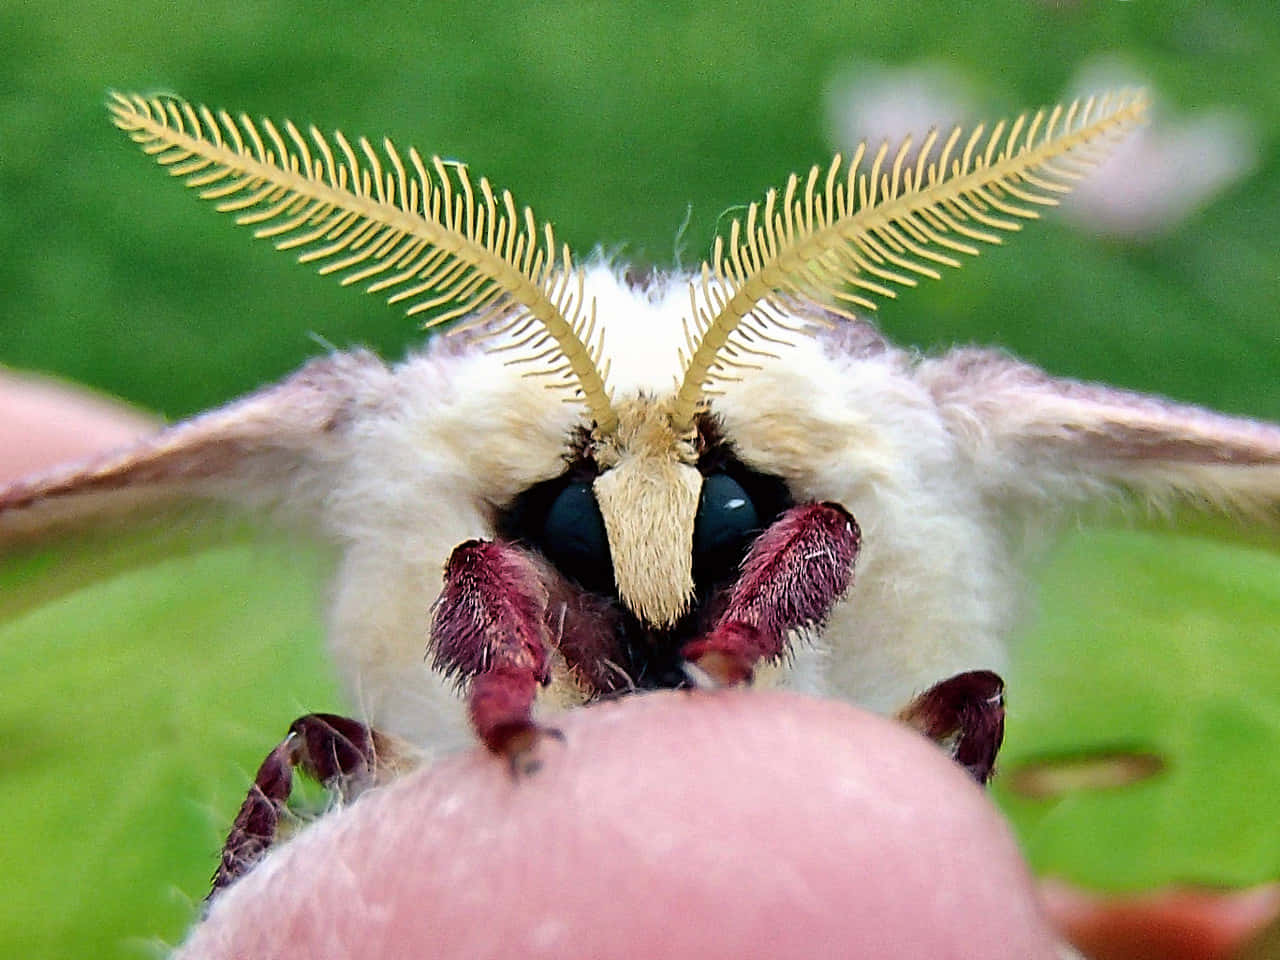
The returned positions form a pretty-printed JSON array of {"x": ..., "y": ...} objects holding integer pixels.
[
  {"x": 574, "y": 538},
  {"x": 726, "y": 523}
]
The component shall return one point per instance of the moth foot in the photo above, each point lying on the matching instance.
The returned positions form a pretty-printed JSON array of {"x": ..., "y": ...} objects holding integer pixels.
[
  {"x": 344, "y": 755},
  {"x": 725, "y": 657},
  {"x": 521, "y": 745},
  {"x": 717, "y": 669},
  {"x": 964, "y": 715}
]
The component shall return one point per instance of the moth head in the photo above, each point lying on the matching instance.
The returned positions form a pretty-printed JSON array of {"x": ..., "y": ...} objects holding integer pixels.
[
  {"x": 655, "y": 516},
  {"x": 639, "y": 508}
]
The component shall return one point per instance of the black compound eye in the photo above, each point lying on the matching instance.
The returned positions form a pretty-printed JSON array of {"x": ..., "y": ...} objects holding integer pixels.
[
  {"x": 727, "y": 521},
  {"x": 574, "y": 538}
]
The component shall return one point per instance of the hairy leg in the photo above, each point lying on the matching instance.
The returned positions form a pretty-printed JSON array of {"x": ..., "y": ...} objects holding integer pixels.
[
  {"x": 344, "y": 755},
  {"x": 964, "y": 714},
  {"x": 791, "y": 578},
  {"x": 489, "y": 631}
]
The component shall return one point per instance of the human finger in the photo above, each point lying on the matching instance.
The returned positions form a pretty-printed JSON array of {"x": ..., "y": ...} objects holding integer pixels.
[
  {"x": 44, "y": 422},
  {"x": 680, "y": 824}
]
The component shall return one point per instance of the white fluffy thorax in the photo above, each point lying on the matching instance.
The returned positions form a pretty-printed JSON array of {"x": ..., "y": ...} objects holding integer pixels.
[{"x": 838, "y": 417}]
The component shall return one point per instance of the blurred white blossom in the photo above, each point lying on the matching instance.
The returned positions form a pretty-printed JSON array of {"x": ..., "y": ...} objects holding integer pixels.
[
  {"x": 1162, "y": 172},
  {"x": 1158, "y": 176},
  {"x": 872, "y": 102}
]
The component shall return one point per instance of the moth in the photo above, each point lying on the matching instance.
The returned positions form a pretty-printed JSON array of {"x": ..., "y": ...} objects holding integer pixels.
[{"x": 593, "y": 484}]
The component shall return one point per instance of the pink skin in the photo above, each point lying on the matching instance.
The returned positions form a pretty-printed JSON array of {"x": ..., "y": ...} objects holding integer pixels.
[
  {"x": 44, "y": 423},
  {"x": 731, "y": 823},
  {"x": 588, "y": 839}
]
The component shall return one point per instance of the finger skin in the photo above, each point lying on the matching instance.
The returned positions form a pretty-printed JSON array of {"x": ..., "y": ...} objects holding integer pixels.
[
  {"x": 45, "y": 423},
  {"x": 731, "y": 823}
]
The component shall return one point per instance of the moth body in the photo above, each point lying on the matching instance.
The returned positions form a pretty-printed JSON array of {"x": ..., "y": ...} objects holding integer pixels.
[
  {"x": 589, "y": 486},
  {"x": 838, "y": 417}
]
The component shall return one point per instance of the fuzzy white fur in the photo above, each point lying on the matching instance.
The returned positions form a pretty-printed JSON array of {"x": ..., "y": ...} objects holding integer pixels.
[
  {"x": 955, "y": 468},
  {"x": 935, "y": 589},
  {"x": 939, "y": 581}
]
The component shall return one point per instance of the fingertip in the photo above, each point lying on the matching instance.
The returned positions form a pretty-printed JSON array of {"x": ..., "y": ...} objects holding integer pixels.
[
  {"x": 46, "y": 422},
  {"x": 736, "y": 823}
]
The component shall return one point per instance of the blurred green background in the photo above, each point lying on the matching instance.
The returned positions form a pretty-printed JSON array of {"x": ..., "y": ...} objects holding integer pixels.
[{"x": 133, "y": 714}]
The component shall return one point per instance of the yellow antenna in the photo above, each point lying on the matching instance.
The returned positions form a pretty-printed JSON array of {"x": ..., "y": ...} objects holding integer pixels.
[
  {"x": 848, "y": 236},
  {"x": 411, "y": 230}
]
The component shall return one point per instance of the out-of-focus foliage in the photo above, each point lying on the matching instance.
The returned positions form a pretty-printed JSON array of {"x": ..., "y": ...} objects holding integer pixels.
[{"x": 133, "y": 715}]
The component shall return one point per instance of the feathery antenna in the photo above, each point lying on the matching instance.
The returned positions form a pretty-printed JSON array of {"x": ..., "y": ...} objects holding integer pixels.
[
  {"x": 411, "y": 230},
  {"x": 848, "y": 237}
]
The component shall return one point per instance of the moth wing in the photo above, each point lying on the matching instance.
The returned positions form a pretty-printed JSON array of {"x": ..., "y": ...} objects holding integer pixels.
[
  {"x": 137, "y": 709},
  {"x": 269, "y": 454},
  {"x": 1044, "y": 442},
  {"x": 1169, "y": 652}
]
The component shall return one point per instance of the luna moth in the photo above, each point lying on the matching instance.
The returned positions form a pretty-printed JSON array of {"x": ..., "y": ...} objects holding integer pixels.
[{"x": 595, "y": 483}]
